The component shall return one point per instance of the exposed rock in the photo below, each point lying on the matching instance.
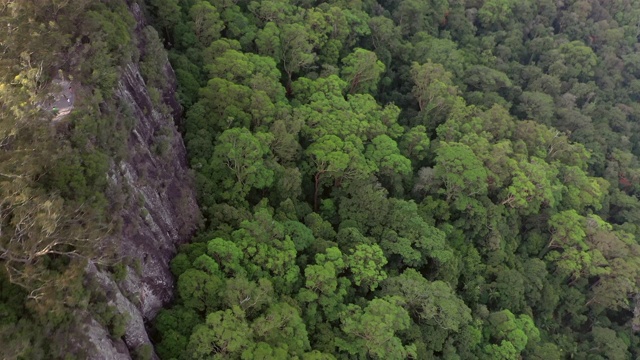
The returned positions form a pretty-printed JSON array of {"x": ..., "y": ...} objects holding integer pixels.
[
  {"x": 62, "y": 99},
  {"x": 135, "y": 334},
  {"x": 159, "y": 210},
  {"x": 105, "y": 347}
]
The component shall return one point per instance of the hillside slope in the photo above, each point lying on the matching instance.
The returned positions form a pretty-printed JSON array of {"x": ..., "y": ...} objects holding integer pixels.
[{"x": 112, "y": 164}]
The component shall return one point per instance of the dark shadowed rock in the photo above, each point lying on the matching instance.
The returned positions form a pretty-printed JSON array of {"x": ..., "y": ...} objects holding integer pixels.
[{"x": 159, "y": 211}]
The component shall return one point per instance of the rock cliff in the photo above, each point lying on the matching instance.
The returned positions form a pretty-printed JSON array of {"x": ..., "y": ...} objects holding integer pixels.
[{"x": 159, "y": 208}]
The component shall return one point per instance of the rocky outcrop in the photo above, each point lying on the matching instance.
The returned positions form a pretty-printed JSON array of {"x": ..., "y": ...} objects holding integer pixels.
[{"x": 158, "y": 209}]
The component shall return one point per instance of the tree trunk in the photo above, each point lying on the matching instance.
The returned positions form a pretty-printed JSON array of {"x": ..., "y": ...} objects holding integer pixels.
[{"x": 315, "y": 193}]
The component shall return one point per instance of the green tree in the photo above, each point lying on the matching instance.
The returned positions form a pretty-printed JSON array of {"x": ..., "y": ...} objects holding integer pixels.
[
  {"x": 433, "y": 88},
  {"x": 296, "y": 49},
  {"x": 386, "y": 37},
  {"x": 537, "y": 106},
  {"x": 610, "y": 345},
  {"x": 503, "y": 326},
  {"x": 532, "y": 187},
  {"x": 37, "y": 226},
  {"x": 225, "y": 334},
  {"x": 200, "y": 290},
  {"x": 221, "y": 113},
  {"x": 460, "y": 171},
  {"x": 432, "y": 302},
  {"x": 250, "y": 296},
  {"x": 167, "y": 14},
  {"x": 415, "y": 16},
  {"x": 175, "y": 325},
  {"x": 485, "y": 79},
  {"x": 579, "y": 60},
  {"x": 268, "y": 252},
  {"x": 415, "y": 143},
  {"x": 282, "y": 326},
  {"x": 361, "y": 70},
  {"x": 206, "y": 22},
  {"x": 384, "y": 153},
  {"x": 337, "y": 159},
  {"x": 268, "y": 41},
  {"x": 325, "y": 289},
  {"x": 570, "y": 250},
  {"x": 496, "y": 12},
  {"x": 243, "y": 154},
  {"x": 430, "y": 49},
  {"x": 372, "y": 331},
  {"x": 227, "y": 255},
  {"x": 366, "y": 263},
  {"x": 406, "y": 238}
]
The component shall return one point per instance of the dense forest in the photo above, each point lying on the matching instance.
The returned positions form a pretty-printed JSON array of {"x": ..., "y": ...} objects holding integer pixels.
[
  {"x": 408, "y": 179},
  {"x": 399, "y": 179}
]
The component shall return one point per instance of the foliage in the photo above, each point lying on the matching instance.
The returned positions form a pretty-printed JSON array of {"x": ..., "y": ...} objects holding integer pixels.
[
  {"x": 407, "y": 179},
  {"x": 57, "y": 205}
]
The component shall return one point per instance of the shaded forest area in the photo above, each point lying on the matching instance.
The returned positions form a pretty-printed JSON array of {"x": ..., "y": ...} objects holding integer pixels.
[{"x": 408, "y": 179}]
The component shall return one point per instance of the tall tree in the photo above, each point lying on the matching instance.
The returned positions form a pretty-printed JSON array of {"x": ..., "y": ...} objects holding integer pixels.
[
  {"x": 372, "y": 331},
  {"x": 361, "y": 70},
  {"x": 460, "y": 171}
]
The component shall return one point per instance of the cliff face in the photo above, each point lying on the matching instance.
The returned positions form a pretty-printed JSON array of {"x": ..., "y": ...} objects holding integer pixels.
[{"x": 159, "y": 208}]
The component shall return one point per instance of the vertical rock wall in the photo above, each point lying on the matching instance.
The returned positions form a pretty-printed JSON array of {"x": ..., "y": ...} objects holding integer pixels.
[{"x": 159, "y": 212}]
